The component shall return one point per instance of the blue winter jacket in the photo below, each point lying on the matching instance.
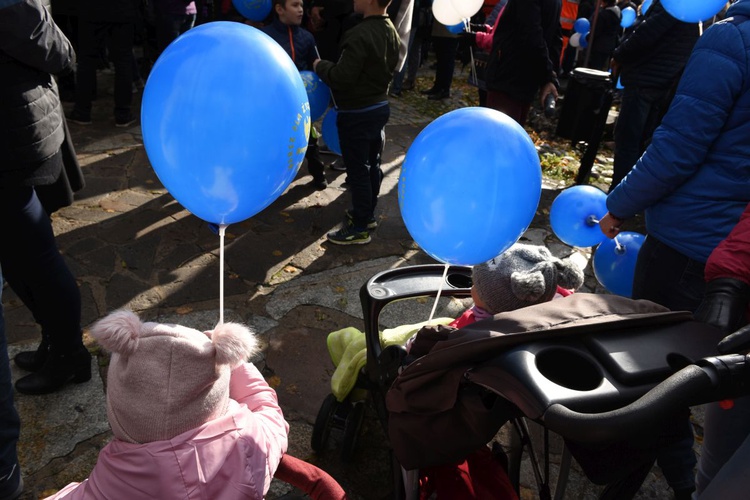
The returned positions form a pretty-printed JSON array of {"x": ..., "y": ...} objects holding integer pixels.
[
  {"x": 693, "y": 181},
  {"x": 296, "y": 41}
]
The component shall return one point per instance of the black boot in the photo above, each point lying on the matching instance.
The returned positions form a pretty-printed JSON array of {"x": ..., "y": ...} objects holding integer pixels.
[
  {"x": 32, "y": 361},
  {"x": 58, "y": 370},
  {"x": 724, "y": 304}
]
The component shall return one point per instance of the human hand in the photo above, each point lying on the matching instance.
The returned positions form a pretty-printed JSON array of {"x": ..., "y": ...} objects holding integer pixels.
[
  {"x": 479, "y": 27},
  {"x": 549, "y": 88},
  {"x": 610, "y": 225}
]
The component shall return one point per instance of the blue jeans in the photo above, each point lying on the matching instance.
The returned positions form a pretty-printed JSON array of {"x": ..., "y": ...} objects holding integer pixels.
[
  {"x": 640, "y": 113},
  {"x": 665, "y": 276},
  {"x": 10, "y": 425},
  {"x": 362, "y": 136}
]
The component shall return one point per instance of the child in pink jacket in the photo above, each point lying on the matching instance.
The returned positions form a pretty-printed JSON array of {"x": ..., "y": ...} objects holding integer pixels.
[{"x": 191, "y": 418}]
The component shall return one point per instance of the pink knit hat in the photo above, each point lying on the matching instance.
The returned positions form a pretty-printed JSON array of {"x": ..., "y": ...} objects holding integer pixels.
[{"x": 164, "y": 380}]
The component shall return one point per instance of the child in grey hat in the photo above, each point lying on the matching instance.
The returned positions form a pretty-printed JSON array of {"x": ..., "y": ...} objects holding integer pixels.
[{"x": 521, "y": 276}]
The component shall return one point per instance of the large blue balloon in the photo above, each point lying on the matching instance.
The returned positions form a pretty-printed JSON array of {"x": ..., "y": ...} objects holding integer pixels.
[
  {"x": 317, "y": 92},
  {"x": 575, "y": 215},
  {"x": 225, "y": 121},
  {"x": 255, "y": 10},
  {"x": 628, "y": 17},
  {"x": 693, "y": 11},
  {"x": 614, "y": 262},
  {"x": 582, "y": 26},
  {"x": 469, "y": 186},
  {"x": 330, "y": 131}
]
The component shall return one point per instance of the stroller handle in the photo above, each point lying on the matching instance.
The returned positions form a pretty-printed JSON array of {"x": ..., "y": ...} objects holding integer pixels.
[{"x": 709, "y": 379}]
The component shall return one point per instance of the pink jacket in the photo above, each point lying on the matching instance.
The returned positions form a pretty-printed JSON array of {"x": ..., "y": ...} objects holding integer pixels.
[{"x": 233, "y": 456}]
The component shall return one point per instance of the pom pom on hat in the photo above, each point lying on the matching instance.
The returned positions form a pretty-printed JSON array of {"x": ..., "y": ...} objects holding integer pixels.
[
  {"x": 164, "y": 380},
  {"x": 522, "y": 276}
]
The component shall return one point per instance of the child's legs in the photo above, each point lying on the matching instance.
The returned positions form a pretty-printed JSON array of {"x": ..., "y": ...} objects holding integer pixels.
[{"x": 360, "y": 134}]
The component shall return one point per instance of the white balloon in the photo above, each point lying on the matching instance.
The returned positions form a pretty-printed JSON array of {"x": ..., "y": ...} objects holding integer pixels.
[
  {"x": 445, "y": 13},
  {"x": 575, "y": 39},
  {"x": 467, "y": 8}
]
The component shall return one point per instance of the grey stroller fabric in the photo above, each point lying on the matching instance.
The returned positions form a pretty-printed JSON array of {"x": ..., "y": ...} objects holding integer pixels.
[{"x": 455, "y": 397}]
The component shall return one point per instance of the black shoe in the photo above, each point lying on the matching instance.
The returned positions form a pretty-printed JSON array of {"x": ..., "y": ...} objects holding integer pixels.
[
  {"x": 58, "y": 370},
  {"x": 338, "y": 165},
  {"x": 439, "y": 96},
  {"x": 430, "y": 91},
  {"x": 32, "y": 361},
  {"x": 320, "y": 184},
  {"x": 79, "y": 117},
  {"x": 11, "y": 484},
  {"x": 372, "y": 224},
  {"x": 125, "y": 121}
]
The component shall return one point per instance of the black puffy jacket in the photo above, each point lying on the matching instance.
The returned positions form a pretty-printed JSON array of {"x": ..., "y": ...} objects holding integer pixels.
[{"x": 32, "y": 48}]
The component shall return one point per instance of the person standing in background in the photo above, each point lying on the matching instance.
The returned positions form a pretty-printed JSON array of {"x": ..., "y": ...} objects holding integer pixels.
[{"x": 173, "y": 18}]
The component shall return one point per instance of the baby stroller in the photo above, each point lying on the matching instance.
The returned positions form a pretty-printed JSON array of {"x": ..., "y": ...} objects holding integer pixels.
[{"x": 581, "y": 367}]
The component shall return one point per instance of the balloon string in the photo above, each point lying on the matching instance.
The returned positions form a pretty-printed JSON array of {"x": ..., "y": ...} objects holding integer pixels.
[
  {"x": 222, "y": 230},
  {"x": 329, "y": 89},
  {"x": 618, "y": 246},
  {"x": 591, "y": 220},
  {"x": 437, "y": 297},
  {"x": 700, "y": 28}
]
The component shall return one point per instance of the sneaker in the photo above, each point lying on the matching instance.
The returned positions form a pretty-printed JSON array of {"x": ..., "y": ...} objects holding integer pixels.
[
  {"x": 338, "y": 165},
  {"x": 11, "y": 485},
  {"x": 349, "y": 235},
  {"x": 125, "y": 121},
  {"x": 372, "y": 224},
  {"x": 79, "y": 117}
]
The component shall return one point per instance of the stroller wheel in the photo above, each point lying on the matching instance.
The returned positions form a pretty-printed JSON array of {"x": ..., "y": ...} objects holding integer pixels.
[
  {"x": 351, "y": 430},
  {"x": 323, "y": 423}
]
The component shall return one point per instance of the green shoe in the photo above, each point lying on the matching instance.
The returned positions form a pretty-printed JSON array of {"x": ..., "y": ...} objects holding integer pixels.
[{"x": 349, "y": 235}]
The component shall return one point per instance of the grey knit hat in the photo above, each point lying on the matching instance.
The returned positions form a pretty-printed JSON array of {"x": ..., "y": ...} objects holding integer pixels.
[{"x": 522, "y": 276}]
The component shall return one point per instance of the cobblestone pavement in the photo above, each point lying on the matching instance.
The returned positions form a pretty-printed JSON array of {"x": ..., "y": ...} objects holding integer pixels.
[{"x": 131, "y": 245}]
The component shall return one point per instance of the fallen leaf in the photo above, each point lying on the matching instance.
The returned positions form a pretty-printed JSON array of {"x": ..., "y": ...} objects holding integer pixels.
[
  {"x": 274, "y": 381},
  {"x": 184, "y": 310},
  {"x": 277, "y": 253}
]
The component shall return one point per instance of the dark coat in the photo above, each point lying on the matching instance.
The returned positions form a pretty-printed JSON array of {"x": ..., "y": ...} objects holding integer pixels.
[
  {"x": 31, "y": 118},
  {"x": 303, "y": 54},
  {"x": 525, "y": 48},
  {"x": 109, "y": 11},
  {"x": 654, "y": 54}
]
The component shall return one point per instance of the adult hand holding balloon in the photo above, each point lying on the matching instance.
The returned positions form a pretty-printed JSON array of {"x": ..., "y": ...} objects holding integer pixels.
[
  {"x": 575, "y": 213},
  {"x": 254, "y": 10},
  {"x": 469, "y": 186},
  {"x": 318, "y": 94},
  {"x": 225, "y": 121},
  {"x": 614, "y": 262}
]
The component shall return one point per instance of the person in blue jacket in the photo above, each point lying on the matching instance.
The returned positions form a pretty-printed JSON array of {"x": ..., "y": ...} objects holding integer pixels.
[{"x": 693, "y": 181}]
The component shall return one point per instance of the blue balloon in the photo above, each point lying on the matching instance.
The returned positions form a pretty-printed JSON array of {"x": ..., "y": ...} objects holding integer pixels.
[
  {"x": 693, "y": 11},
  {"x": 318, "y": 94},
  {"x": 225, "y": 121},
  {"x": 628, "y": 17},
  {"x": 254, "y": 10},
  {"x": 330, "y": 131},
  {"x": 614, "y": 262},
  {"x": 582, "y": 26},
  {"x": 583, "y": 42},
  {"x": 456, "y": 28},
  {"x": 645, "y": 6},
  {"x": 469, "y": 186},
  {"x": 575, "y": 214}
]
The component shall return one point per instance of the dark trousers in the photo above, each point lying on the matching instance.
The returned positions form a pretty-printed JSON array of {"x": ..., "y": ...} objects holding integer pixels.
[
  {"x": 10, "y": 425},
  {"x": 312, "y": 155},
  {"x": 640, "y": 113},
  {"x": 34, "y": 268},
  {"x": 445, "y": 54},
  {"x": 362, "y": 136},
  {"x": 667, "y": 277},
  {"x": 93, "y": 37},
  {"x": 501, "y": 101},
  {"x": 170, "y": 26}
]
